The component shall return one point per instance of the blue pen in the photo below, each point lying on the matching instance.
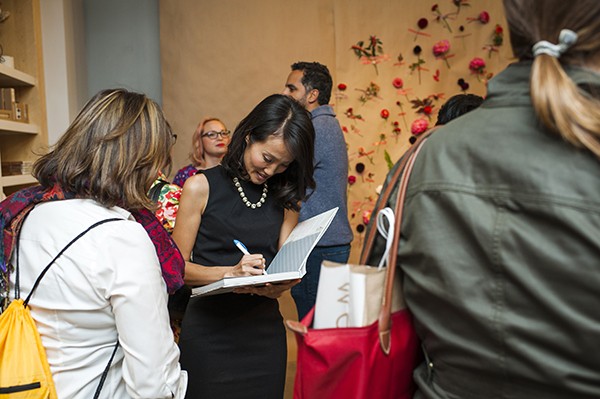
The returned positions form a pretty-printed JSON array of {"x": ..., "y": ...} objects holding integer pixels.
[{"x": 244, "y": 250}]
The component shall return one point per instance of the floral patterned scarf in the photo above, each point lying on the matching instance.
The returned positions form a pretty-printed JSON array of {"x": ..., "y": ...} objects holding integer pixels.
[{"x": 14, "y": 209}]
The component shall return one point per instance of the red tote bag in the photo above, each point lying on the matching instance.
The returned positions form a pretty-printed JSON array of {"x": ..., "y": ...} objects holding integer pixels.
[
  {"x": 350, "y": 362},
  {"x": 371, "y": 362}
]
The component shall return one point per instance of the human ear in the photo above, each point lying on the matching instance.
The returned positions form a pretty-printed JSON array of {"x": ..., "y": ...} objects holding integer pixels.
[{"x": 313, "y": 95}]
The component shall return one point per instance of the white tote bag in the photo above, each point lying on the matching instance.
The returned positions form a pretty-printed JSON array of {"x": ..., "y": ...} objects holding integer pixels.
[{"x": 350, "y": 295}]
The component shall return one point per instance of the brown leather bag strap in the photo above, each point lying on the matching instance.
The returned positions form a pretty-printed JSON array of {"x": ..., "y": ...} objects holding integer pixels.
[
  {"x": 384, "y": 196},
  {"x": 386, "y": 304}
]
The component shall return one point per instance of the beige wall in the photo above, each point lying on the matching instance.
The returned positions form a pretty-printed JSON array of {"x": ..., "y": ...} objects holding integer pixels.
[{"x": 221, "y": 57}]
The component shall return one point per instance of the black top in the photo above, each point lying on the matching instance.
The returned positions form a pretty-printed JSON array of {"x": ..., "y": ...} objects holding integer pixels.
[
  {"x": 234, "y": 345},
  {"x": 227, "y": 217}
]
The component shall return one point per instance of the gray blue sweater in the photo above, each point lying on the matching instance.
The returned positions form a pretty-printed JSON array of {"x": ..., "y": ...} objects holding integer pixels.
[{"x": 331, "y": 176}]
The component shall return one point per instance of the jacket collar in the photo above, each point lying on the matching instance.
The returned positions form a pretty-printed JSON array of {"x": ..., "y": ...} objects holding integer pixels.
[
  {"x": 511, "y": 86},
  {"x": 322, "y": 110}
]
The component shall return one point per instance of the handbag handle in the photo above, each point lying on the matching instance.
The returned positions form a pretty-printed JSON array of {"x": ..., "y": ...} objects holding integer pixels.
[
  {"x": 404, "y": 170},
  {"x": 387, "y": 192}
]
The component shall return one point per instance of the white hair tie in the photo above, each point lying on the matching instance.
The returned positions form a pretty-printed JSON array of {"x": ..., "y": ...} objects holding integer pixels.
[{"x": 566, "y": 39}]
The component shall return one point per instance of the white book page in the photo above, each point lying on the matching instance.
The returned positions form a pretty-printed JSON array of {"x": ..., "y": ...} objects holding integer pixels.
[{"x": 289, "y": 262}]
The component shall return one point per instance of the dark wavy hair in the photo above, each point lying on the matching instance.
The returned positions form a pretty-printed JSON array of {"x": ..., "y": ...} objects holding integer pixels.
[
  {"x": 277, "y": 115},
  {"x": 316, "y": 76},
  {"x": 456, "y": 106}
]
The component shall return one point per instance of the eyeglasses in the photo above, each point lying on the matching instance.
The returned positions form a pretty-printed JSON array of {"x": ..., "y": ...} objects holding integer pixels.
[{"x": 213, "y": 135}]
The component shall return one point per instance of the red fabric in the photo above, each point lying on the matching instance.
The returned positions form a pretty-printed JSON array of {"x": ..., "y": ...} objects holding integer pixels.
[{"x": 349, "y": 362}]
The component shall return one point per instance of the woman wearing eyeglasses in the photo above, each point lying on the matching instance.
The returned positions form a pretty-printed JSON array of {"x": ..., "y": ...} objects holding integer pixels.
[{"x": 210, "y": 142}]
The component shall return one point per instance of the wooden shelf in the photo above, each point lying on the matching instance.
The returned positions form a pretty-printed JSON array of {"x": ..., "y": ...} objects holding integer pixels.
[
  {"x": 10, "y": 77},
  {"x": 8, "y": 127},
  {"x": 21, "y": 36},
  {"x": 17, "y": 180}
]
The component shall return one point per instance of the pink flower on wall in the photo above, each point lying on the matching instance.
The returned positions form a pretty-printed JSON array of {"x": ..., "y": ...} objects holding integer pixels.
[
  {"x": 419, "y": 126},
  {"x": 441, "y": 50},
  {"x": 398, "y": 83},
  {"x": 477, "y": 65}
]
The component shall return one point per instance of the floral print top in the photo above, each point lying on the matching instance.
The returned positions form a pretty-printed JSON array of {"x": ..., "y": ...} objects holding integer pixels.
[
  {"x": 183, "y": 174},
  {"x": 168, "y": 200}
]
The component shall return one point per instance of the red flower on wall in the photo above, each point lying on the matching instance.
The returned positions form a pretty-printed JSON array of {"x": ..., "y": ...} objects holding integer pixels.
[
  {"x": 497, "y": 40},
  {"x": 425, "y": 106},
  {"x": 350, "y": 114},
  {"x": 422, "y": 23},
  {"x": 483, "y": 17}
]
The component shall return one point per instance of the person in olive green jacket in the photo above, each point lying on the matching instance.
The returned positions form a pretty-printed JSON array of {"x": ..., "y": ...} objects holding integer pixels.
[{"x": 500, "y": 246}]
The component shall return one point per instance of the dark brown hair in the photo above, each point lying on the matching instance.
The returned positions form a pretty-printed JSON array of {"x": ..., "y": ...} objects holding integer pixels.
[{"x": 278, "y": 115}]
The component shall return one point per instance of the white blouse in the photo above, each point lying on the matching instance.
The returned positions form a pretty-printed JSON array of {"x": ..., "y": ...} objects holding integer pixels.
[{"x": 107, "y": 285}]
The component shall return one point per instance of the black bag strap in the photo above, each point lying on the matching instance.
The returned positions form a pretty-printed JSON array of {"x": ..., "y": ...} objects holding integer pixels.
[
  {"x": 105, "y": 372},
  {"x": 43, "y": 273}
]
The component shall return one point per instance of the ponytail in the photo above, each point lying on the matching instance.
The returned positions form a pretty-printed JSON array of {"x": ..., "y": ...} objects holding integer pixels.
[{"x": 562, "y": 106}]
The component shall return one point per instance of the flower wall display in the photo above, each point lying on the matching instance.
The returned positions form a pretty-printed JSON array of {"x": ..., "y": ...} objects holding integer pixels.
[
  {"x": 452, "y": 47},
  {"x": 391, "y": 66}
]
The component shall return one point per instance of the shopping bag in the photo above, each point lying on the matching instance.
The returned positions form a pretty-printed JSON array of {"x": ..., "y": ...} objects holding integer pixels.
[
  {"x": 350, "y": 295},
  {"x": 332, "y": 296},
  {"x": 373, "y": 361}
]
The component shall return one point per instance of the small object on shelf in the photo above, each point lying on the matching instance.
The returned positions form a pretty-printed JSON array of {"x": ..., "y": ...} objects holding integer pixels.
[
  {"x": 16, "y": 168},
  {"x": 20, "y": 112},
  {"x": 6, "y": 114}
]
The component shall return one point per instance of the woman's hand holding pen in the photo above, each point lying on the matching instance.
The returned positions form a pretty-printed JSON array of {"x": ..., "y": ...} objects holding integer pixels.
[{"x": 249, "y": 265}]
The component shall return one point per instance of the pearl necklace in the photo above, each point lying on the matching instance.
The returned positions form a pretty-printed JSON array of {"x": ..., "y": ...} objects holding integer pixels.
[{"x": 249, "y": 204}]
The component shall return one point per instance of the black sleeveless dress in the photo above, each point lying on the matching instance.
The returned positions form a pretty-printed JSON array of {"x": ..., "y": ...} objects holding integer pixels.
[{"x": 234, "y": 345}]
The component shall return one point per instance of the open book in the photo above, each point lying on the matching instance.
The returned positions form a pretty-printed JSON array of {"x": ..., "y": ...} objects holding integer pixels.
[{"x": 288, "y": 264}]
